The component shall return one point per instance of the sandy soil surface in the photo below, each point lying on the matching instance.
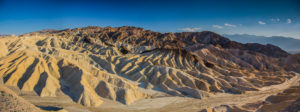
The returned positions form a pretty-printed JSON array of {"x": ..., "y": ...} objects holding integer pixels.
[{"x": 11, "y": 102}]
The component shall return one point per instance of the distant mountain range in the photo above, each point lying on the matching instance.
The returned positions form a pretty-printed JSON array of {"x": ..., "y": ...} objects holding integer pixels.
[{"x": 290, "y": 45}]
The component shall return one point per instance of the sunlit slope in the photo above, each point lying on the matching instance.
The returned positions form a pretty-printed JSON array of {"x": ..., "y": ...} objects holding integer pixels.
[{"x": 88, "y": 68}]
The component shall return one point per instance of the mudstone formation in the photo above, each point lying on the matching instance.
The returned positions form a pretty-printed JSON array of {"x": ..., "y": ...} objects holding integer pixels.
[{"x": 126, "y": 64}]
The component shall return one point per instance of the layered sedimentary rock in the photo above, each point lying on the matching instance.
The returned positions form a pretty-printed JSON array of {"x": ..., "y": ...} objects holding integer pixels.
[{"x": 121, "y": 64}]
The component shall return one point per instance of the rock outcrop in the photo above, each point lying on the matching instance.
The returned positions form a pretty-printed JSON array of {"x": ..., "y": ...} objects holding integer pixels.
[
  {"x": 123, "y": 64},
  {"x": 11, "y": 102}
]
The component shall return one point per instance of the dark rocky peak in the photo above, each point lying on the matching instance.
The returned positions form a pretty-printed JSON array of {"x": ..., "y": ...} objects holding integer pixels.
[
  {"x": 208, "y": 37},
  {"x": 139, "y": 36},
  {"x": 269, "y": 50}
]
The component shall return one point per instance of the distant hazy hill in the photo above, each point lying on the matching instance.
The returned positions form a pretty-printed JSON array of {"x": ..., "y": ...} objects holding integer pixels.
[{"x": 289, "y": 44}]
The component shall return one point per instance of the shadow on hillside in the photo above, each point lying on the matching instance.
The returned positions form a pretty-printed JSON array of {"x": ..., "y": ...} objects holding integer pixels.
[{"x": 50, "y": 108}]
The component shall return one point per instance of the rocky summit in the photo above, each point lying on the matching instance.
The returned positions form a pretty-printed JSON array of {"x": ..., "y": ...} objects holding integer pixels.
[{"x": 133, "y": 69}]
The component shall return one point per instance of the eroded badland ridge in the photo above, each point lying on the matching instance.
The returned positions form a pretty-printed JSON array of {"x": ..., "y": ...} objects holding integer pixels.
[{"x": 133, "y": 69}]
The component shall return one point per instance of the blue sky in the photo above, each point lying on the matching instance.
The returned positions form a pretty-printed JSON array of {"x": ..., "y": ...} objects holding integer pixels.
[{"x": 257, "y": 17}]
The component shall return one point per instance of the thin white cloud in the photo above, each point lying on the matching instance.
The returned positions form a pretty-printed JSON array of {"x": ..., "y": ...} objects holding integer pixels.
[
  {"x": 188, "y": 29},
  {"x": 288, "y": 21},
  {"x": 262, "y": 23},
  {"x": 275, "y": 19},
  {"x": 217, "y": 26},
  {"x": 229, "y": 25}
]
